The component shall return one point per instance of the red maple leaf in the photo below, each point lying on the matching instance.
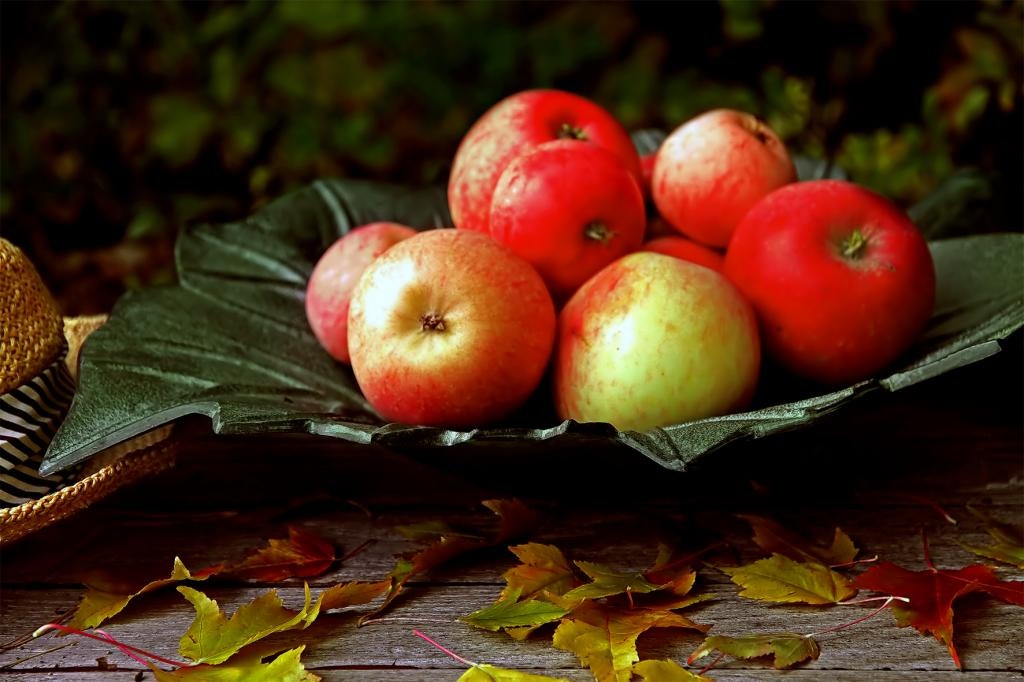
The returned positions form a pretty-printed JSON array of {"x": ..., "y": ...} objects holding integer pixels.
[{"x": 926, "y": 597}]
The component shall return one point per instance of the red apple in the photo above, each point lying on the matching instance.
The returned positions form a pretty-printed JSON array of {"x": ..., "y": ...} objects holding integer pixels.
[
  {"x": 686, "y": 249},
  {"x": 840, "y": 278},
  {"x": 449, "y": 328},
  {"x": 652, "y": 340},
  {"x": 647, "y": 173},
  {"x": 334, "y": 277},
  {"x": 713, "y": 168},
  {"x": 658, "y": 227},
  {"x": 515, "y": 125},
  {"x": 569, "y": 210}
]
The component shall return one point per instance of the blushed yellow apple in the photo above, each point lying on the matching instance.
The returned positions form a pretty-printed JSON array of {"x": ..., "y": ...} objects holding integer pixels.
[
  {"x": 653, "y": 340},
  {"x": 449, "y": 328}
]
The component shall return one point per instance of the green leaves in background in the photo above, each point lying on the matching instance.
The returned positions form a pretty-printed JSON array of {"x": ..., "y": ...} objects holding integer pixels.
[{"x": 151, "y": 116}]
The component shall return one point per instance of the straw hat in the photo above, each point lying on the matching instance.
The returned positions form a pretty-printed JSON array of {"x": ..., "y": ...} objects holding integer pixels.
[{"x": 38, "y": 356}]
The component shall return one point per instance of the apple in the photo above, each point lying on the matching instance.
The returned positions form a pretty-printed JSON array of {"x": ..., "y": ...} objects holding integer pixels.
[
  {"x": 330, "y": 286},
  {"x": 515, "y": 125},
  {"x": 713, "y": 168},
  {"x": 686, "y": 249},
  {"x": 841, "y": 279},
  {"x": 449, "y": 328},
  {"x": 569, "y": 210},
  {"x": 653, "y": 340},
  {"x": 647, "y": 172},
  {"x": 658, "y": 227}
]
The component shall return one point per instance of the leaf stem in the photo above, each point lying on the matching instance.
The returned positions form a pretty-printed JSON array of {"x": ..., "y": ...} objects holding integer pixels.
[
  {"x": 712, "y": 664},
  {"x": 868, "y": 560},
  {"x": 124, "y": 649},
  {"x": 357, "y": 550},
  {"x": 446, "y": 650},
  {"x": 946, "y": 516},
  {"x": 927, "y": 552},
  {"x": 868, "y": 600},
  {"x": 843, "y": 626},
  {"x": 110, "y": 640}
]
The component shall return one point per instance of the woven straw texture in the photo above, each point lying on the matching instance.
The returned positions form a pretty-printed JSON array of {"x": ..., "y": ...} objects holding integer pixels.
[
  {"x": 114, "y": 468},
  {"x": 31, "y": 324},
  {"x": 17, "y": 522}
]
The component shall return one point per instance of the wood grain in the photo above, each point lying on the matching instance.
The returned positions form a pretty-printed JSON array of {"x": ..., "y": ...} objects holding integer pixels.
[{"x": 880, "y": 471}]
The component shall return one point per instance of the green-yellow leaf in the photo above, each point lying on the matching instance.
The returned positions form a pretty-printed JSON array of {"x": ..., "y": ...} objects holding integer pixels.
[
  {"x": 606, "y": 582},
  {"x": 604, "y": 638},
  {"x": 302, "y": 554},
  {"x": 786, "y": 649},
  {"x": 543, "y": 569},
  {"x": 664, "y": 671},
  {"x": 213, "y": 638},
  {"x": 286, "y": 667},
  {"x": 482, "y": 672},
  {"x": 772, "y": 537},
  {"x": 780, "y": 580},
  {"x": 1008, "y": 547},
  {"x": 508, "y": 612},
  {"x": 100, "y": 604},
  {"x": 427, "y": 530},
  {"x": 611, "y": 660}
]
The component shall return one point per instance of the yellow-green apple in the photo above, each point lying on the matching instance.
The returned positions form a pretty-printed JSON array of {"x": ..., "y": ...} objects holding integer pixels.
[
  {"x": 569, "y": 210},
  {"x": 515, "y": 125},
  {"x": 449, "y": 328},
  {"x": 330, "y": 286},
  {"x": 713, "y": 168},
  {"x": 653, "y": 340},
  {"x": 686, "y": 249},
  {"x": 841, "y": 279}
]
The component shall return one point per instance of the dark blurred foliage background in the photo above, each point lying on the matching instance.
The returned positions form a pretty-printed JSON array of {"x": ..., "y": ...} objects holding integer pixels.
[{"x": 122, "y": 121}]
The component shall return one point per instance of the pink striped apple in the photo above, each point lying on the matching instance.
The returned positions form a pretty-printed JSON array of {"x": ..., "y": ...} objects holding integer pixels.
[
  {"x": 329, "y": 289},
  {"x": 713, "y": 168}
]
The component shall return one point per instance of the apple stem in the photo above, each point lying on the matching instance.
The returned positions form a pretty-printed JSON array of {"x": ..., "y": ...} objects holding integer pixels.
[
  {"x": 598, "y": 232},
  {"x": 432, "y": 323},
  {"x": 853, "y": 247},
  {"x": 570, "y": 132}
]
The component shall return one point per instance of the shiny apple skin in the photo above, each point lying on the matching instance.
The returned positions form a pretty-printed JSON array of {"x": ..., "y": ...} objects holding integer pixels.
[
  {"x": 334, "y": 277},
  {"x": 449, "y": 328},
  {"x": 834, "y": 307},
  {"x": 712, "y": 169},
  {"x": 653, "y": 340},
  {"x": 686, "y": 249},
  {"x": 569, "y": 210},
  {"x": 515, "y": 125}
]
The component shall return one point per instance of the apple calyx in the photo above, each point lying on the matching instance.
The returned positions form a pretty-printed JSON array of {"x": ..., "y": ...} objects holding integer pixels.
[
  {"x": 432, "y": 322},
  {"x": 854, "y": 246},
  {"x": 568, "y": 131},
  {"x": 598, "y": 232}
]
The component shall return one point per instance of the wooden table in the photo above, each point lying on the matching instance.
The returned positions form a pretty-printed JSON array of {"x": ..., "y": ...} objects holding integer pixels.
[{"x": 878, "y": 469}]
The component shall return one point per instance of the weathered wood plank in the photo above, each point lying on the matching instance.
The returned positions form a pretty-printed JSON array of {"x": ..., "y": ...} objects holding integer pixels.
[
  {"x": 986, "y": 632},
  {"x": 71, "y": 553},
  {"x": 444, "y": 675},
  {"x": 871, "y": 469}
]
